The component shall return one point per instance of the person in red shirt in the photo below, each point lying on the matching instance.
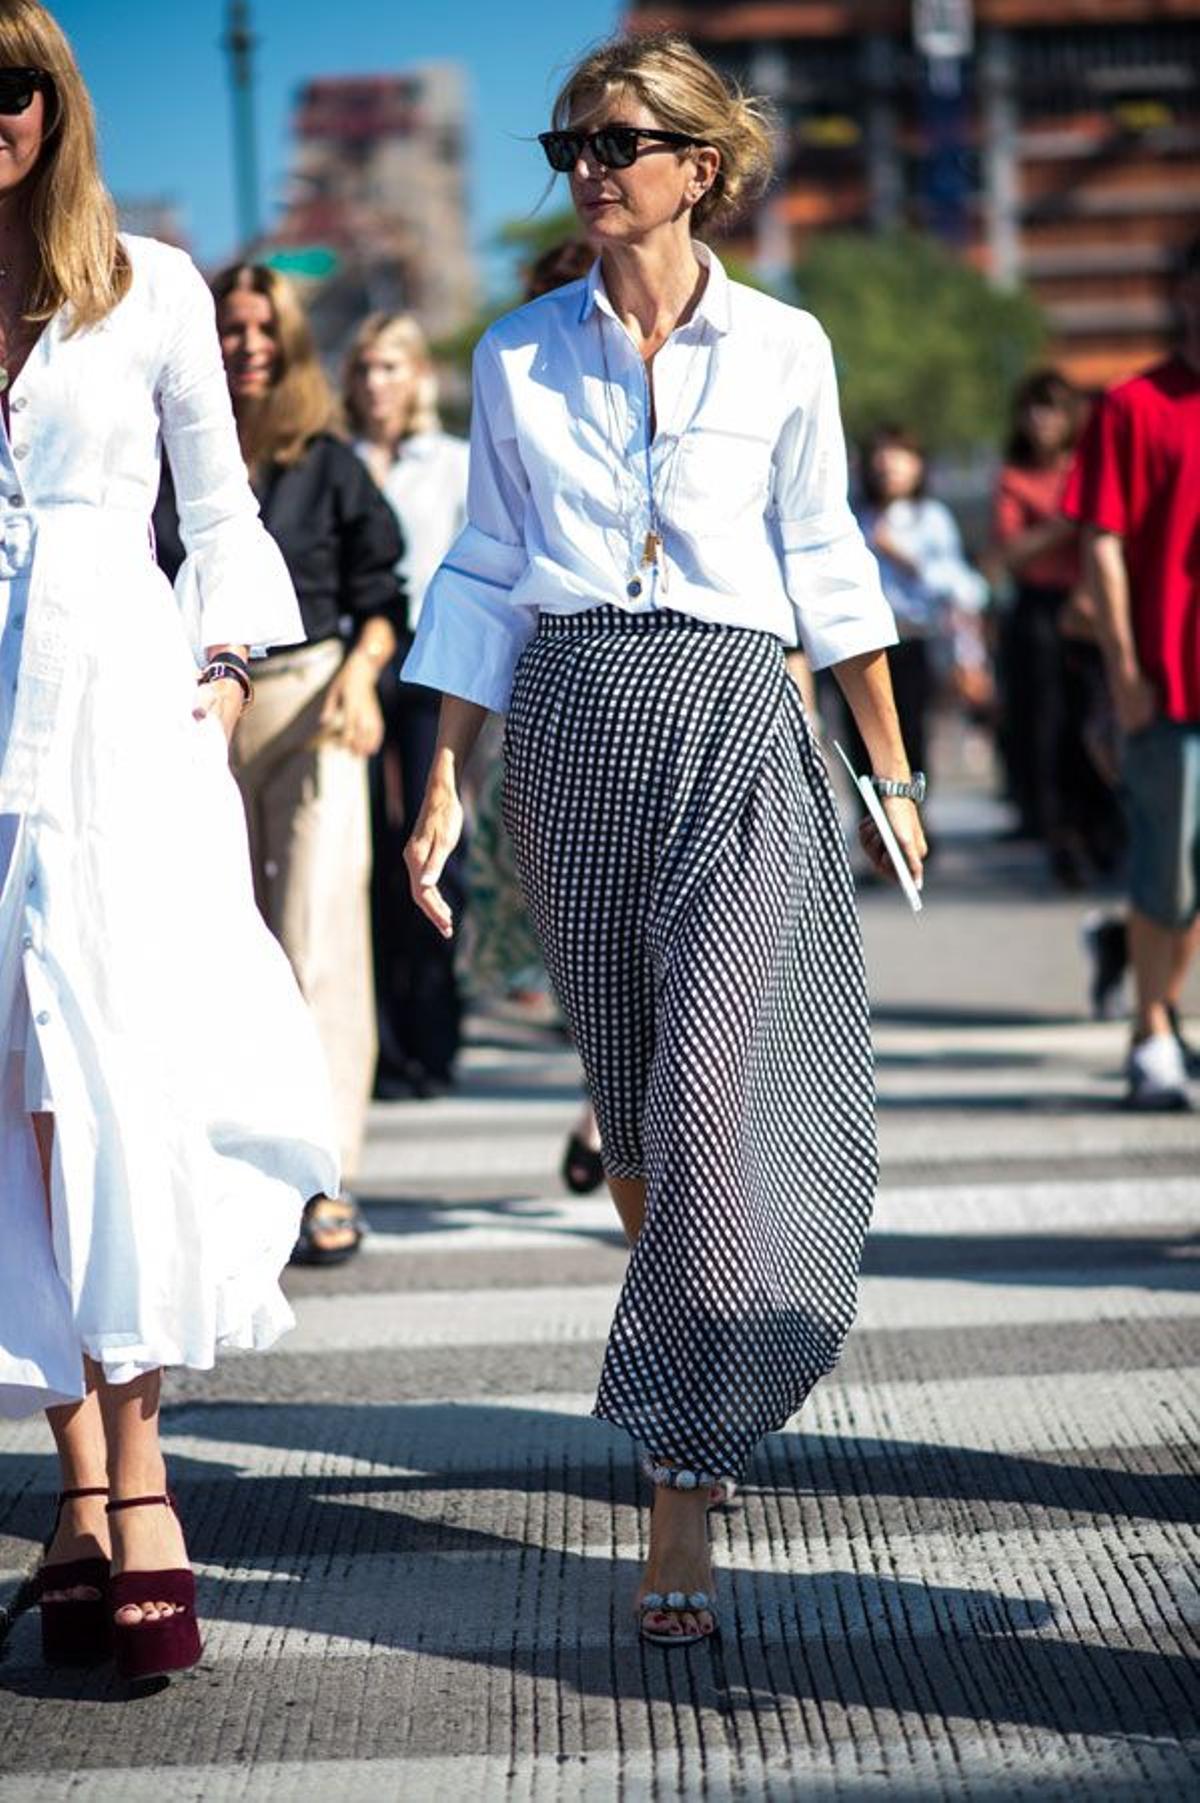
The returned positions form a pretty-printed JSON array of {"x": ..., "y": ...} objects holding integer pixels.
[
  {"x": 1136, "y": 490},
  {"x": 1052, "y": 671}
]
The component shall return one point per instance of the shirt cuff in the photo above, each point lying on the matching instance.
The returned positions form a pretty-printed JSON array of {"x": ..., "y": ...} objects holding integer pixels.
[
  {"x": 833, "y": 581},
  {"x": 470, "y": 636},
  {"x": 829, "y": 642}
]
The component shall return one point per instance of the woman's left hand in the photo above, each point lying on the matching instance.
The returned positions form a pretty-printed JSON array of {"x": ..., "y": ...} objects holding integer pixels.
[
  {"x": 905, "y": 822},
  {"x": 223, "y": 700},
  {"x": 352, "y": 716}
]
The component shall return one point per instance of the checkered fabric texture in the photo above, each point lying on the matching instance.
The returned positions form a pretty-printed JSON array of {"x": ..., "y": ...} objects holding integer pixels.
[{"x": 685, "y": 869}]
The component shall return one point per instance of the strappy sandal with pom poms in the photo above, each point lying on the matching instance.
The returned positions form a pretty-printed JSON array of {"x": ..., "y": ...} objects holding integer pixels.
[
  {"x": 76, "y": 1630},
  {"x": 678, "y": 1602}
]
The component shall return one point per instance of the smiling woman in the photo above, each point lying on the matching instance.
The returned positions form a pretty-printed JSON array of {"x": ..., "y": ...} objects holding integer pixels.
[{"x": 657, "y": 514}]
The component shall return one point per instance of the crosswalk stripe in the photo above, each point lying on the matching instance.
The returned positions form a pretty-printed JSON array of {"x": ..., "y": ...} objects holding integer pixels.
[
  {"x": 545, "y": 1316},
  {"x": 970, "y": 1209},
  {"x": 822, "y": 1769},
  {"x": 1026, "y": 1415}
]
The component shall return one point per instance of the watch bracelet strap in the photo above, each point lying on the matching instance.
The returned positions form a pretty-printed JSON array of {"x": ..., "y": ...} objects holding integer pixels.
[{"x": 910, "y": 790}]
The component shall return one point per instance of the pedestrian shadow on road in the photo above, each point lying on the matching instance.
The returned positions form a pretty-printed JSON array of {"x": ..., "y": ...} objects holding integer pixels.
[
  {"x": 453, "y": 1531},
  {"x": 1165, "y": 1261}
]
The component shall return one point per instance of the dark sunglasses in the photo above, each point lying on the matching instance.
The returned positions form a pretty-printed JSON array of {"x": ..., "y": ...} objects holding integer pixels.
[
  {"x": 615, "y": 146},
  {"x": 18, "y": 87}
]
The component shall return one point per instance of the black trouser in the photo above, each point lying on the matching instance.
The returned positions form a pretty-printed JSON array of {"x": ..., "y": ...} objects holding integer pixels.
[
  {"x": 912, "y": 684},
  {"x": 1034, "y": 706},
  {"x": 1053, "y": 689},
  {"x": 417, "y": 996}
]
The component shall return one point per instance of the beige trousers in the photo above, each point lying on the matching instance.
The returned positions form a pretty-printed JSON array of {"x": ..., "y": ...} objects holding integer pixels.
[{"x": 309, "y": 823}]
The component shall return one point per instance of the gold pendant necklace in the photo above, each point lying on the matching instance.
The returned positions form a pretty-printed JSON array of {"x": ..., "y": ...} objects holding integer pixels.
[{"x": 659, "y": 485}]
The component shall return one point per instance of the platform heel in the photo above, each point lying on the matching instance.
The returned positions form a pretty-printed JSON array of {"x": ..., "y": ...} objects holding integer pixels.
[
  {"x": 154, "y": 1649},
  {"x": 75, "y": 1630}
]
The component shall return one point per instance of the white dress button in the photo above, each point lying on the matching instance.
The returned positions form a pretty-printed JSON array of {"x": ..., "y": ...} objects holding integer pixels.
[
  {"x": 27, "y": 942},
  {"x": 19, "y": 404},
  {"x": 20, "y": 450},
  {"x": 42, "y": 1018},
  {"x": 15, "y": 500}
]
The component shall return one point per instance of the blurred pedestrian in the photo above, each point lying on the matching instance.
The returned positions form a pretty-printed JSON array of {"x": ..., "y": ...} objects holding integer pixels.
[
  {"x": 164, "y": 1106},
  {"x": 1136, "y": 488},
  {"x": 1053, "y": 674},
  {"x": 657, "y": 510},
  {"x": 301, "y": 756},
  {"x": 933, "y": 592},
  {"x": 390, "y": 400}
]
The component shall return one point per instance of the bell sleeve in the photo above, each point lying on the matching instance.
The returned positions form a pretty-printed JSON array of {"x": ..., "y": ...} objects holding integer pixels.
[
  {"x": 471, "y": 630},
  {"x": 233, "y": 587},
  {"x": 830, "y": 574}
]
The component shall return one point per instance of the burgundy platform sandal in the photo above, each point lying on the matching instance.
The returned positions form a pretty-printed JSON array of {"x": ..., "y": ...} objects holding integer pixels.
[
  {"x": 154, "y": 1649},
  {"x": 75, "y": 1630}
]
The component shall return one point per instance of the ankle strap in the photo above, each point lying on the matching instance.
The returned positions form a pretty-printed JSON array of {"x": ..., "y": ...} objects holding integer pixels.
[
  {"x": 138, "y": 1502},
  {"x": 90, "y": 1490}
]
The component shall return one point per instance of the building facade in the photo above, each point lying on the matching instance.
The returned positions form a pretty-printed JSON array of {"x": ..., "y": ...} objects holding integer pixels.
[
  {"x": 376, "y": 207},
  {"x": 1056, "y": 142}
]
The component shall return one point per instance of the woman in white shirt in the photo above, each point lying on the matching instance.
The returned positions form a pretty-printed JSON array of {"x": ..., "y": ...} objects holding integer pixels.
[
  {"x": 932, "y": 590},
  {"x": 657, "y": 512},
  {"x": 164, "y": 1108},
  {"x": 390, "y": 397}
]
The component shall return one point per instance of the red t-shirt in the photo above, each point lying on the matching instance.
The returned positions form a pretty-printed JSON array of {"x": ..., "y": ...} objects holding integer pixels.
[
  {"x": 1138, "y": 474},
  {"x": 1030, "y": 497}
]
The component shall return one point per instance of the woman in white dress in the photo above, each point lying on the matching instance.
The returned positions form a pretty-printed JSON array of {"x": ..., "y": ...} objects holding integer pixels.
[
  {"x": 164, "y": 1108},
  {"x": 390, "y": 398}
]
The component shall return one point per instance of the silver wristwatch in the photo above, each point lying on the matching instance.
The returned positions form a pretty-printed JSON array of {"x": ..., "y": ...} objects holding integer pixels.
[{"x": 913, "y": 790}]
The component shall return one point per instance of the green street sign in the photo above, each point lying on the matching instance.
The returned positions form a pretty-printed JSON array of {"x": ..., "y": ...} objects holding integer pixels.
[{"x": 316, "y": 261}]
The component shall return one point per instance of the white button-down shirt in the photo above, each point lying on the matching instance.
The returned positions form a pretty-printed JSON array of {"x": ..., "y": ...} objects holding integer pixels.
[
  {"x": 747, "y": 463},
  {"x": 427, "y": 487}
]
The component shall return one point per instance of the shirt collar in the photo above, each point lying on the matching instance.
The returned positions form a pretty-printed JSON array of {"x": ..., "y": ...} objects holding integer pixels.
[{"x": 711, "y": 310}]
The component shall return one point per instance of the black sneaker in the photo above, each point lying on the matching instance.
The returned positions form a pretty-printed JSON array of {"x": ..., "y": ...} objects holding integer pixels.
[{"x": 1106, "y": 942}]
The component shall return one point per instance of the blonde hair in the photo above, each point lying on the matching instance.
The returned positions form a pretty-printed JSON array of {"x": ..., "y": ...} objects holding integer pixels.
[
  {"x": 683, "y": 90},
  {"x": 300, "y": 402},
  {"x": 81, "y": 263},
  {"x": 402, "y": 330}
]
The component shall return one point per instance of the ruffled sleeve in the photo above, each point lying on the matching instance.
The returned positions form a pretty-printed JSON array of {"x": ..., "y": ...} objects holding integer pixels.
[{"x": 233, "y": 587}]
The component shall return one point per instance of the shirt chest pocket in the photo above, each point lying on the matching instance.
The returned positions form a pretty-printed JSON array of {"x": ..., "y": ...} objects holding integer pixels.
[{"x": 722, "y": 477}]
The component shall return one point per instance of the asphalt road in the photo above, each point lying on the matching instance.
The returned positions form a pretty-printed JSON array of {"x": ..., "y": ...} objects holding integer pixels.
[{"x": 969, "y": 1569}]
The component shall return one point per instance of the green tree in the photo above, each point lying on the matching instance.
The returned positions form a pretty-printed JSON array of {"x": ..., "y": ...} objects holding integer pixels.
[{"x": 920, "y": 337}]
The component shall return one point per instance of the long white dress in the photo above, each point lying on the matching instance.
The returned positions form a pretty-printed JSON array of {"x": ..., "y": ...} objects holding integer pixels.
[{"x": 142, "y": 999}]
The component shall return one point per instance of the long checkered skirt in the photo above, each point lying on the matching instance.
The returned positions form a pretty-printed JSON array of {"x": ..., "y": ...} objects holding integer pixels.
[{"x": 681, "y": 855}]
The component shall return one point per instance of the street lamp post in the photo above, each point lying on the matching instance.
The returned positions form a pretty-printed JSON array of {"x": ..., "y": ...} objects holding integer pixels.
[
  {"x": 239, "y": 43},
  {"x": 943, "y": 34}
]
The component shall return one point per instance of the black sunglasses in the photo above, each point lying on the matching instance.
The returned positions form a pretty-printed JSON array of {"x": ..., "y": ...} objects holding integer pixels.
[
  {"x": 18, "y": 87},
  {"x": 615, "y": 146}
]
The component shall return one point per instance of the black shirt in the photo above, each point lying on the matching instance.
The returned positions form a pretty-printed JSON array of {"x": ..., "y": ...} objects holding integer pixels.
[{"x": 339, "y": 537}]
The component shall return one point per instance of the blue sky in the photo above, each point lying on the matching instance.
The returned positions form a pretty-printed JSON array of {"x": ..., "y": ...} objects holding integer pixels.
[{"x": 158, "y": 78}]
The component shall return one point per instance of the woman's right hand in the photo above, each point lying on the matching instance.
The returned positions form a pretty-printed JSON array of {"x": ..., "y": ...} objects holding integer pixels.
[
  {"x": 434, "y": 837},
  {"x": 905, "y": 822}
]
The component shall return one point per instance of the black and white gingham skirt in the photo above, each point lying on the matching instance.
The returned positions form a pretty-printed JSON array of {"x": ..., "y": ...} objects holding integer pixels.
[{"x": 683, "y": 862}]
